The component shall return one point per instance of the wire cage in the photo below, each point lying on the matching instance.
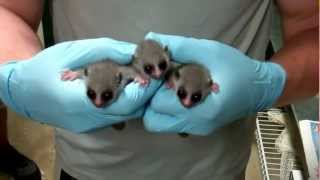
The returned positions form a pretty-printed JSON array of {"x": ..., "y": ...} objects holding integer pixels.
[{"x": 277, "y": 150}]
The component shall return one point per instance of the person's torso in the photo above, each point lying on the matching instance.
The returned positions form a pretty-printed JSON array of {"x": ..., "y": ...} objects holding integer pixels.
[{"x": 135, "y": 153}]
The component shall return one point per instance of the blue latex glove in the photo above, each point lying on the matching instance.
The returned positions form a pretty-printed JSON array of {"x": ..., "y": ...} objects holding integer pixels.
[
  {"x": 33, "y": 87},
  {"x": 246, "y": 86}
]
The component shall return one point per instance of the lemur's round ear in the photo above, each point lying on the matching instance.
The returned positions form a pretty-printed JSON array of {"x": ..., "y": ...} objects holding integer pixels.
[
  {"x": 166, "y": 48},
  {"x": 85, "y": 71},
  {"x": 177, "y": 73},
  {"x": 119, "y": 77},
  {"x": 214, "y": 87}
]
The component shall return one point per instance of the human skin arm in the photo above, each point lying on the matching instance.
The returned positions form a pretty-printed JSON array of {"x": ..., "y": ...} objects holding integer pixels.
[
  {"x": 299, "y": 55},
  {"x": 18, "y": 27},
  {"x": 18, "y": 39}
]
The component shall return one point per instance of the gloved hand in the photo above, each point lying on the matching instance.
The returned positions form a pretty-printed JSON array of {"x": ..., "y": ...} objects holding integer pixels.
[
  {"x": 246, "y": 86},
  {"x": 33, "y": 87}
]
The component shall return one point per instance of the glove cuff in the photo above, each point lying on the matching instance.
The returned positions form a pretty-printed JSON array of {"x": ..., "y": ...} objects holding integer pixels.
[
  {"x": 273, "y": 90},
  {"x": 6, "y": 71}
]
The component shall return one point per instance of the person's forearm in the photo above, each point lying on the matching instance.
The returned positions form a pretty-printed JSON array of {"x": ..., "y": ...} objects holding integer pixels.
[
  {"x": 300, "y": 59},
  {"x": 17, "y": 39}
]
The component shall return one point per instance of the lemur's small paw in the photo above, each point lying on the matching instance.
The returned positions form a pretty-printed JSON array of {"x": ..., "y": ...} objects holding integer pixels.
[{"x": 69, "y": 75}]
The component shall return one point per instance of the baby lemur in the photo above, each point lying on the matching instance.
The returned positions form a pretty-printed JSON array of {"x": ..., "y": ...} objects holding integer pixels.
[
  {"x": 192, "y": 84},
  {"x": 151, "y": 59},
  {"x": 104, "y": 82}
]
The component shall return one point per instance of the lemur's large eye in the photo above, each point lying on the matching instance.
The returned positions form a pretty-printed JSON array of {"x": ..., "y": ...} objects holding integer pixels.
[
  {"x": 91, "y": 94},
  {"x": 162, "y": 65},
  {"x": 107, "y": 95},
  {"x": 148, "y": 69},
  {"x": 182, "y": 93},
  {"x": 196, "y": 97}
]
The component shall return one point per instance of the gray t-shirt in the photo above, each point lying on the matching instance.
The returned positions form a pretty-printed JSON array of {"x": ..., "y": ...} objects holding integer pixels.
[{"x": 135, "y": 153}]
